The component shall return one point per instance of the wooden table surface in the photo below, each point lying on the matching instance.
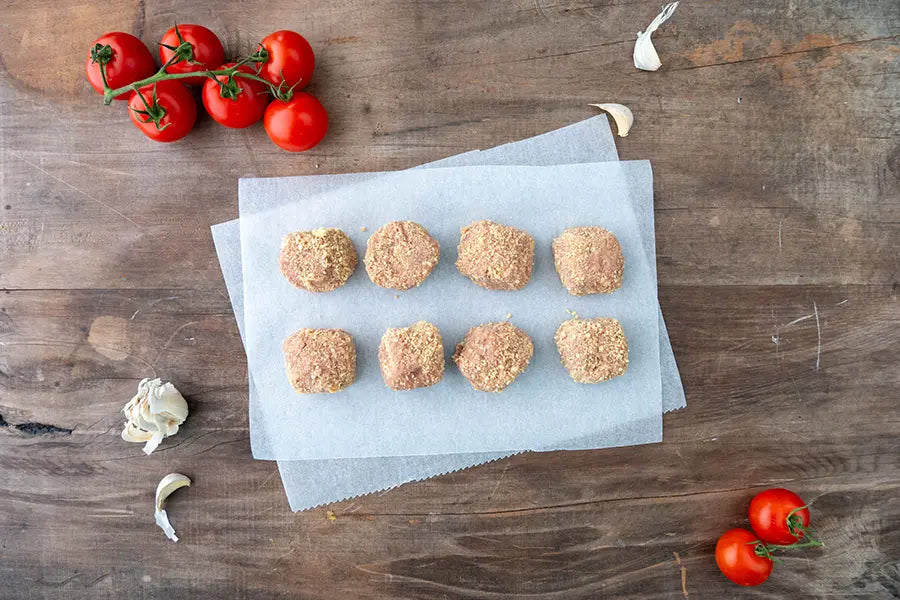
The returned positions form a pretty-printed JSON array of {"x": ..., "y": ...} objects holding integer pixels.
[{"x": 773, "y": 133}]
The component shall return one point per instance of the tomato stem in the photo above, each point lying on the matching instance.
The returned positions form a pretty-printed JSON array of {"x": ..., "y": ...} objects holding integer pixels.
[
  {"x": 101, "y": 55},
  {"x": 807, "y": 544},
  {"x": 765, "y": 550},
  {"x": 797, "y": 528}
]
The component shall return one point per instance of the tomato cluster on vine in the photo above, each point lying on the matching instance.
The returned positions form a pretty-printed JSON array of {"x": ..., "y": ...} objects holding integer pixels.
[
  {"x": 780, "y": 521},
  {"x": 264, "y": 85}
]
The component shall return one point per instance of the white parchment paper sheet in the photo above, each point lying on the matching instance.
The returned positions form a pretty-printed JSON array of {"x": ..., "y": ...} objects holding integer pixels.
[
  {"x": 315, "y": 482},
  {"x": 540, "y": 410},
  {"x": 310, "y": 483}
]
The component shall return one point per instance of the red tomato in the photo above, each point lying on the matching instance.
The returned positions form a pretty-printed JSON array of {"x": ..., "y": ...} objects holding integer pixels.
[
  {"x": 130, "y": 61},
  {"x": 737, "y": 558},
  {"x": 245, "y": 108},
  {"x": 772, "y": 519},
  {"x": 205, "y": 45},
  {"x": 298, "y": 124},
  {"x": 290, "y": 57},
  {"x": 171, "y": 103}
]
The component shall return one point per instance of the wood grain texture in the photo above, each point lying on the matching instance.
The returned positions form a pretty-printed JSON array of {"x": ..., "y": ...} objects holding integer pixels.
[{"x": 773, "y": 134}]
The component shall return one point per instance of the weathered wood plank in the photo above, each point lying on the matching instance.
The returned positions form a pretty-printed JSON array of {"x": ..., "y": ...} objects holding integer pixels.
[{"x": 85, "y": 350}]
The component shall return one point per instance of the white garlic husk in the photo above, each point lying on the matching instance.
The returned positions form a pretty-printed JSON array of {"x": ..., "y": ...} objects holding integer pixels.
[
  {"x": 645, "y": 56},
  {"x": 153, "y": 414},
  {"x": 166, "y": 486},
  {"x": 621, "y": 114}
]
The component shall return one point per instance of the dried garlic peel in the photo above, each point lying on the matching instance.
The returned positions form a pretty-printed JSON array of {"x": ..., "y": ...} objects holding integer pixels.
[
  {"x": 167, "y": 485},
  {"x": 621, "y": 114},
  {"x": 166, "y": 402},
  {"x": 645, "y": 56},
  {"x": 153, "y": 414}
]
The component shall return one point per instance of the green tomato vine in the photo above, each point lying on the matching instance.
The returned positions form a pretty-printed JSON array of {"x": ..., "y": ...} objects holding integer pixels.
[{"x": 184, "y": 52}]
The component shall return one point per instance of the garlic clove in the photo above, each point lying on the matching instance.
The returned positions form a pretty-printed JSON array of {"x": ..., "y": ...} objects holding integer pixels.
[
  {"x": 621, "y": 114},
  {"x": 645, "y": 55},
  {"x": 140, "y": 416},
  {"x": 132, "y": 433},
  {"x": 166, "y": 486}
]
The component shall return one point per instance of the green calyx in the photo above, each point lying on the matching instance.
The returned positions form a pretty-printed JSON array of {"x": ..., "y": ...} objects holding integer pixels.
[
  {"x": 282, "y": 91},
  {"x": 260, "y": 57},
  {"x": 764, "y": 551},
  {"x": 183, "y": 52},
  {"x": 229, "y": 88},
  {"x": 101, "y": 54},
  {"x": 153, "y": 112},
  {"x": 795, "y": 526}
]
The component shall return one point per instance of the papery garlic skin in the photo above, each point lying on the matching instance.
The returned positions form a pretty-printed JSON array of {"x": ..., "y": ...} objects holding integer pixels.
[
  {"x": 153, "y": 414},
  {"x": 164, "y": 489},
  {"x": 163, "y": 399},
  {"x": 645, "y": 56},
  {"x": 621, "y": 114}
]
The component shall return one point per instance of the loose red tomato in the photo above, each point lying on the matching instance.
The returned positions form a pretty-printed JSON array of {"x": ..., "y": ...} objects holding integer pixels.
[
  {"x": 206, "y": 51},
  {"x": 778, "y": 516},
  {"x": 235, "y": 101},
  {"x": 164, "y": 111},
  {"x": 128, "y": 61},
  {"x": 737, "y": 558},
  {"x": 298, "y": 124},
  {"x": 291, "y": 58}
]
